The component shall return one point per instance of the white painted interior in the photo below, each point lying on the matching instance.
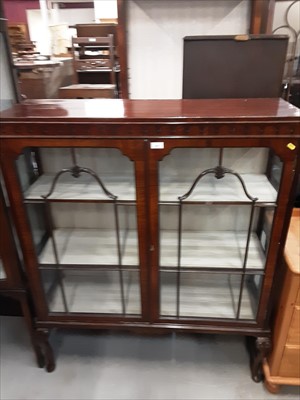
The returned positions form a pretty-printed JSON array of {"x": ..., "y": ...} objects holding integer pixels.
[{"x": 155, "y": 39}]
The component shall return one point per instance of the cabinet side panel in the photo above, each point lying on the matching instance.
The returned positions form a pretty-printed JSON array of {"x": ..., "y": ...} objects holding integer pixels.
[{"x": 284, "y": 315}]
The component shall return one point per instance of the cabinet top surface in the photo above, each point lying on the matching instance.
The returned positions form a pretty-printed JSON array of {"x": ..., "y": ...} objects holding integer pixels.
[{"x": 117, "y": 110}]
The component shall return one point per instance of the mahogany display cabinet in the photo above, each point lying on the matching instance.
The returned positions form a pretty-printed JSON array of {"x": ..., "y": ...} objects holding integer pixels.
[{"x": 152, "y": 215}]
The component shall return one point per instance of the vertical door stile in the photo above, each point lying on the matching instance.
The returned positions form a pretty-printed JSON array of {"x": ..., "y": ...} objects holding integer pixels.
[
  {"x": 141, "y": 183},
  {"x": 22, "y": 225},
  {"x": 287, "y": 179},
  {"x": 154, "y": 233}
]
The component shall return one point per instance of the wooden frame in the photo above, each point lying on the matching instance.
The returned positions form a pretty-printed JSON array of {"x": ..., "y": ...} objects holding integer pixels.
[{"x": 262, "y": 14}]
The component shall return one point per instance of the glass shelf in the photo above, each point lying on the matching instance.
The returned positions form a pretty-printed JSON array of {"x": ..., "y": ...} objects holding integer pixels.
[
  {"x": 91, "y": 246},
  {"x": 93, "y": 292},
  {"x": 219, "y": 249},
  {"x": 82, "y": 188},
  {"x": 212, "y": 190},
  {"x": 208, "y": 296}
]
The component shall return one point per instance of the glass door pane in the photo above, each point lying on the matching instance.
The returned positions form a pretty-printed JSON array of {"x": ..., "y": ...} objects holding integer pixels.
[
  {"x": 205, "y": 295},
  {"x": 216, "y": 210},
  {"x": 82, "y": 209},
  {"x": 92, "y": 291}
]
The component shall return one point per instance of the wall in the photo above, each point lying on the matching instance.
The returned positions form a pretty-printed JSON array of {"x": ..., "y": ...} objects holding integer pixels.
[
  {"x": 106, "y": 9},
  {"x": 7, "y": 96},
  {"x": 39, "y": 32},
  {"x": 15, "y": 10},
  {"x": 74, "y": 16},
  {"x": 155, "y": 39}
]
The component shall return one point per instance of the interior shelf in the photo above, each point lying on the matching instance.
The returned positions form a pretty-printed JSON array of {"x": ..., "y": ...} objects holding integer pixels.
[
  {"x": 205, "y": 295},
  {"x": 83, "y": 188},
  {"x": 97, "y": 292},
  {"x": 91, "y": 246},
  {"x": 219, "y": 249},
  {"x": 227, "y": 189}
]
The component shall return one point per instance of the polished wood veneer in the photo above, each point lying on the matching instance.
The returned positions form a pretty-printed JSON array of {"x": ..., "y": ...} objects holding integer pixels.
[{"x": 115, "y": 110}]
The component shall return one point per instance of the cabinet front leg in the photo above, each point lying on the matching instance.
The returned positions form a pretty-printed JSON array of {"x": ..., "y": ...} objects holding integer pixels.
[
  {"x": 46, "y": 349},
  {"x": 31, "y": 329},
  {"x": 258, "y": 348}
]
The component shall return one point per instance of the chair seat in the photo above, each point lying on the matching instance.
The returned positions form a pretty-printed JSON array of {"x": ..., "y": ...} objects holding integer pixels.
[{"x": 88, "y": 91}]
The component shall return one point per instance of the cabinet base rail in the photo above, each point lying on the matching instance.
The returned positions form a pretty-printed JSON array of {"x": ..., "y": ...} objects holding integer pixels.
[{"x": 258, "y": 341}]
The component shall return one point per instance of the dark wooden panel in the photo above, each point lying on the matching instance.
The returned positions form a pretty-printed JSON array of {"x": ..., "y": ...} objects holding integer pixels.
[{"x": 231, "y": 67}]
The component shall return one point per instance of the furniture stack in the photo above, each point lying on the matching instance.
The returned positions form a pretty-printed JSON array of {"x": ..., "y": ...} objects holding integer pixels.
[{"x": 92, "y": 56}]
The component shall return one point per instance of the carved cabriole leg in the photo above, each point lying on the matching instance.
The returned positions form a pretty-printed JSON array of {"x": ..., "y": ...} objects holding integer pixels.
[
  {"x": 42, "y": 338},
  {"x": 258, "y": 348}
]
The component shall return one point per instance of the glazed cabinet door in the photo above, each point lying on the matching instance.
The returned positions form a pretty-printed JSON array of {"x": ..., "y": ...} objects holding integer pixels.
[
  {"x": 82, "y": 221},
  {"x": 214, "y": 235}
]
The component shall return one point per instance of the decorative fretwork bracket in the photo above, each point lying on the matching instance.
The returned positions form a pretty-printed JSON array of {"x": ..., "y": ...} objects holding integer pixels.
[{"x": 219, "y": 172}]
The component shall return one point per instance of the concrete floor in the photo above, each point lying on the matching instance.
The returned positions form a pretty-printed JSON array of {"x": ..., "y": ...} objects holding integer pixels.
[{"x": 126, "y": 366}]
